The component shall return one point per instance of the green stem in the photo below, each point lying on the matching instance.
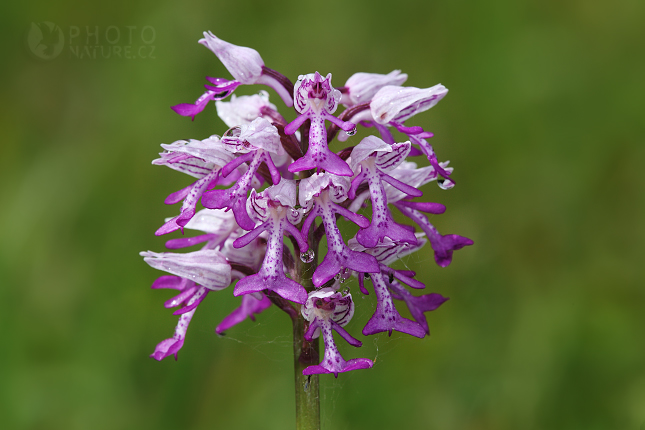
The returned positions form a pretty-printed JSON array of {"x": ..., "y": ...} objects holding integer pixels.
[
  {"x": 306, "y": 353},
  {"x": 307, "y": 388}
]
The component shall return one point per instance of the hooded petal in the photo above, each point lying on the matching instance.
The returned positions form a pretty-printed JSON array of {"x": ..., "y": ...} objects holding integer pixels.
[
  {"x": 244, "y": 64},
  {"x": 392, "y": 103},
  {"x": 361, "y": 87},
  {"x": 244, "y": 109},
  {"x": 206, "y": 267}
]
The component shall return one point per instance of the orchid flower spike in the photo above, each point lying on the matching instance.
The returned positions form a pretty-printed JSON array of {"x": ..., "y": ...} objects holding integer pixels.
[{"x": 266, "y": 178}]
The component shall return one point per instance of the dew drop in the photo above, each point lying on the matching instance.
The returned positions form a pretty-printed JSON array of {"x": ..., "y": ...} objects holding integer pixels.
[
  {"x": 445, "y": 184},
  {"x": 307, "y": 257},
  {"x": 345, "y": 291},
  {"x": 351, "y": 132}
]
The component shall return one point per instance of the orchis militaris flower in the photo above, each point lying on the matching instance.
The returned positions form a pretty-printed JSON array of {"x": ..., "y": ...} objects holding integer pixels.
[
  {"x": 327, "y": 310},
  {"x": 316, "y": 100},
  {"x": 376, "y": 158},
  {"x": 327, "y": 191},
  {"x": 273, "y": 216},
  {"x": 266, "y": 178}
]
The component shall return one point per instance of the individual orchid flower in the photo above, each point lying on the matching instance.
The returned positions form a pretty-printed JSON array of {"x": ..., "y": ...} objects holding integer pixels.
[
  {"x": 326, "y": 191},
  {"x": 316, "y": 100},
  {"x": 198, "y": 158},
  {"x": 376, "y": 158},
  {"x": 328, "y": 310},
  {"x": 393, "y": 105},
  {"x": 256, "y": 142},
  {"x": 443, "y": 245},
  {"x": 273, "y": 215},
  {"x": 246, "y": 66},
  {"x": 361, "y": 87}
]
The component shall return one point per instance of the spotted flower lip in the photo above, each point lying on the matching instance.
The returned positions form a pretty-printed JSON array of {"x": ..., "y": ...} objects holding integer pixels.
[
  {"x": 243, "y": 110},
  {"x": 361, "y": 87},
  {"x": 392, "y": 103},
  {"x": 386, "y": 318},
  {"x": 443, "y": 245}
]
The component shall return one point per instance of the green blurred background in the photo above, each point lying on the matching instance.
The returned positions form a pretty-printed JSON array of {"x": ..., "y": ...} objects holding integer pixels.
[{"x": 543, "y": 123}]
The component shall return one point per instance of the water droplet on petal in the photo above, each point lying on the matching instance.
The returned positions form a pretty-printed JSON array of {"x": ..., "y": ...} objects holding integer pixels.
[
  {"x": 445, "y": 184},
  {"x": 337, "y": 277},
  {"x": 351, "y": 132},
  {"x": 307, "y": 257},
  {"x": 345, "y": 291}
]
